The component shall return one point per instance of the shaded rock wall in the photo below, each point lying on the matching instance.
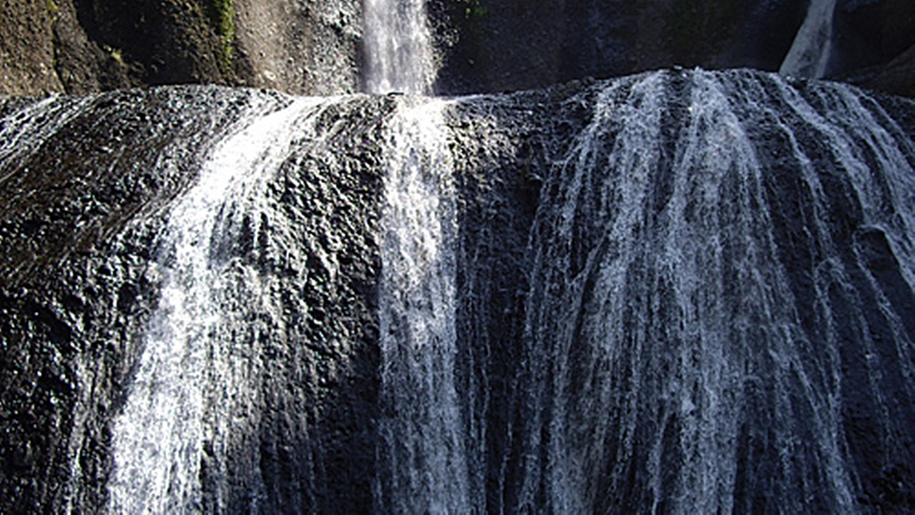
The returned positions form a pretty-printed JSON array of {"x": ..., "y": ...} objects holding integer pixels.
[
  {"x": 876, "y": 48},
  {"x": 569, "y": 39},
  {"x": 507, "y": 45}
]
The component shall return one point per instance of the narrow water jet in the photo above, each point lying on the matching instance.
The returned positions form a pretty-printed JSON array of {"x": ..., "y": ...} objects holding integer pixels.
[{"x": 422, "y": 462}]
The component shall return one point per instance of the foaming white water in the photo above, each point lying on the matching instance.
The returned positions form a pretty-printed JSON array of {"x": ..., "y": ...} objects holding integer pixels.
[
  {"x": 176, "y": 398},
  {"x": 398, "y": 47},
  {"x": 809, "y": 54},
  {"x": 422, "y": 463}
]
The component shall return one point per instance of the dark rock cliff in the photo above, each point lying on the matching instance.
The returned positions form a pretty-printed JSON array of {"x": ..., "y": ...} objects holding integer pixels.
[{"x": 505, "y": 45}]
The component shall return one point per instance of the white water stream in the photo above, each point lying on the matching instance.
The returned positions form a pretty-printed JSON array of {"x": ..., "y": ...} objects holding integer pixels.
[
  {"x": 422, "y": 463},
  {"x": 186, "y": 376},
  {"x": 398, "y": 46},
  {"x": 812, "y": 48}
]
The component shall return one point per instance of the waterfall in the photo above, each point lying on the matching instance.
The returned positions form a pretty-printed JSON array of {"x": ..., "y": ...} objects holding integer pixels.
[
  {"x": 422, "y": 462},
  {"x": 691, "y": 304},
  {"x": 398, "y": 47},
  {"x": 680, "y": 291},
  {"x": 422, "y": 459},
  {"x": 811, "y": 50},
  {"x": 192, "y": 380}
]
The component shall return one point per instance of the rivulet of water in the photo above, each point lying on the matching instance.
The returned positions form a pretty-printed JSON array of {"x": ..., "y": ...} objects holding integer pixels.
[{"x": 38, "y": 121}]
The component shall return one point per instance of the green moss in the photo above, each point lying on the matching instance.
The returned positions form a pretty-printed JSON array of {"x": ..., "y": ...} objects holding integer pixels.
[
  {"x": 223, "y": 17},
  {"x": 473, "y": 14},
  {"x": 473, "y": 10},
  {"x": 52, "y": 9},
  {"x": 116, "y": 53}
]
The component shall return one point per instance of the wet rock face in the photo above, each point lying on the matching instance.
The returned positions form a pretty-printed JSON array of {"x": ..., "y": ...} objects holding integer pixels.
[
  {"x": 78, "y": 226},
  {"x": 88, "y": 183}
]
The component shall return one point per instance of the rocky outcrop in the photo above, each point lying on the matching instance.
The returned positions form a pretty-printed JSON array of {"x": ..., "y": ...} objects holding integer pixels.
[
  {"x": 307, "y": 47},
  {"x": 27, "y": 49},
  {"x": 82, "y": 46}
]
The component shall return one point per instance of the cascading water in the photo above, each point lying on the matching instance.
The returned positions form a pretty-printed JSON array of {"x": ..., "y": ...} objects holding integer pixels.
[
  {"x": 682, "y": 291},
  {"x": 398, "y": 47},
  {"x": 811, "y": 50},
  {"x": 691, "y": 301},
  {"x": 422, "y": 457},
  {"x": 422, "y": 464},
  {"x": 191, "y": 382},
  {"x": 38, "y": 121}
]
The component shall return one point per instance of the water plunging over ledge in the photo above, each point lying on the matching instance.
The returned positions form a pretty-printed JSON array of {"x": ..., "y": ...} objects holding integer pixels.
[
  {"x": 422, "y": 460},
  {"x": 398, "y": 47},
  {"x": 190, "y": 383},
  {"x": 422, "y": 464}
]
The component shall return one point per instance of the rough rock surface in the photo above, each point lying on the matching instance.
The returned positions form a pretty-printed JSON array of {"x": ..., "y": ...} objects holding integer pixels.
[
  {"x": 27, "y": 49},
  {"x": 300, "y": 47}
]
